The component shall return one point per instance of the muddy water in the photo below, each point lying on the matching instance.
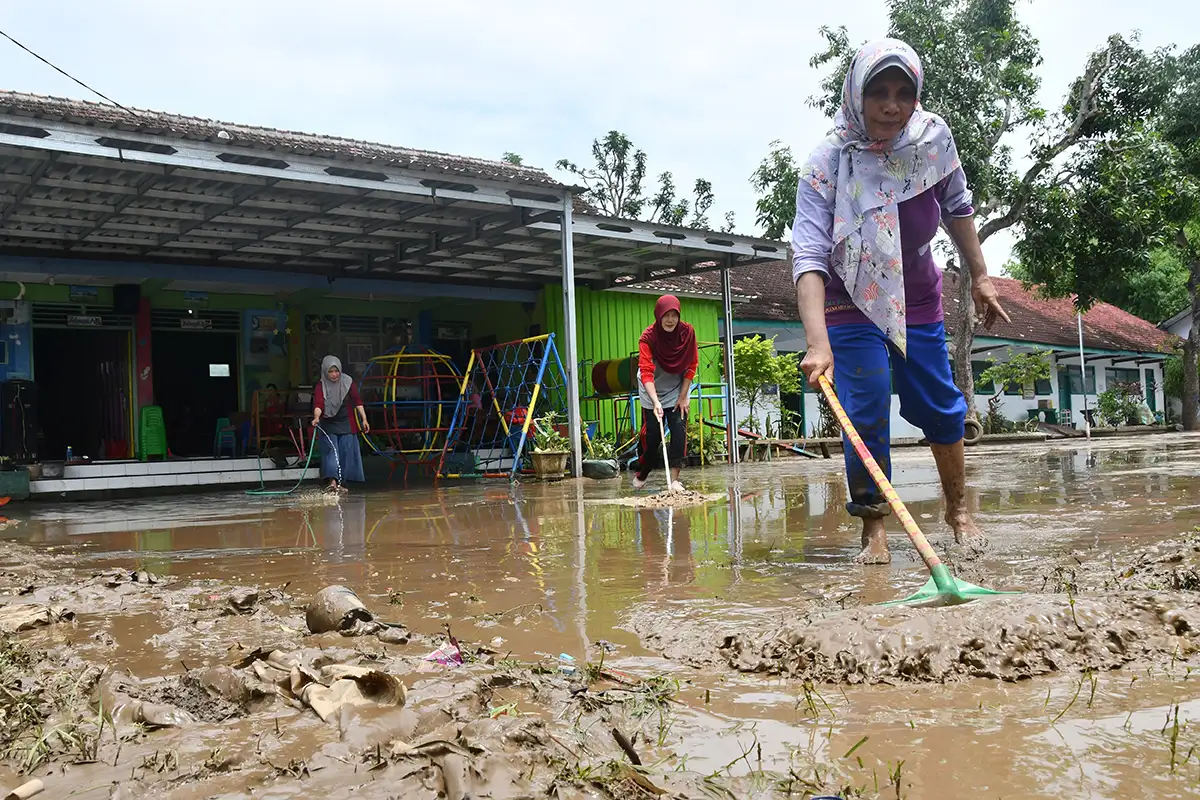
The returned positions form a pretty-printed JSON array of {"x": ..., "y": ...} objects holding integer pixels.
[{"x": 542, "y": 570}]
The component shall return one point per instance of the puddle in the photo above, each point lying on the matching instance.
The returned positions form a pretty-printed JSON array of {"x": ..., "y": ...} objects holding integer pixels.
[{"x": 538, "y": 571}]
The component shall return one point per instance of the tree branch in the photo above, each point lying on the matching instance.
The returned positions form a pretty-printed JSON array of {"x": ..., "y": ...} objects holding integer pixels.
[
  {"x": 1085, "y": 111},
  {"x": 1003, "y": 129}
]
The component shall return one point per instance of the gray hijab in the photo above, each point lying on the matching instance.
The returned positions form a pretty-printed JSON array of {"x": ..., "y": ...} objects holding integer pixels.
[{"x": 335, "y": 391}]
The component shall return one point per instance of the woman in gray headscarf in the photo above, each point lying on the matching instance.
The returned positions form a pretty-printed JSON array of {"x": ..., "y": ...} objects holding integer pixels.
[{"x": 336, "y": 428}]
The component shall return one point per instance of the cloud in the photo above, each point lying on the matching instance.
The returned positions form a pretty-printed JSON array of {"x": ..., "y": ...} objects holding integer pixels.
[{"x": 702, "y": 86}]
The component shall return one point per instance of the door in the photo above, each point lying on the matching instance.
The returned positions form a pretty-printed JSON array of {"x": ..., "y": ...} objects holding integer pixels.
[
  {"x": 1064, "y": 395},
  {"x": 1151, "y": 392},
  {"x": 195, "y": 382}
]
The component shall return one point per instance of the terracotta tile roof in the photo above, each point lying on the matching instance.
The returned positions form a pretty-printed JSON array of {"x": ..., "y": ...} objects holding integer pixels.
[
  {"x": 1046, "y": 321},
  {"x": 1034, "y": 319},
  {"x": 102, "y": 115}
]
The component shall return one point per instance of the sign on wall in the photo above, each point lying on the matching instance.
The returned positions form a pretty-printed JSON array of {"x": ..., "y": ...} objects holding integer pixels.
[{"x": 84, "y": 321}]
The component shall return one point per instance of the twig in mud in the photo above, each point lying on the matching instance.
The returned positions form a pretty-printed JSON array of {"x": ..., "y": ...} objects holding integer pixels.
[
  {"x": 556, "y": 740},
  {"x": 627, "y": 746}
]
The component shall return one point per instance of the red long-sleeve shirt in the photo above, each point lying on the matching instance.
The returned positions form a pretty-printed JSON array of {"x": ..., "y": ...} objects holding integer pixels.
[{"x": 646, "y": 363}]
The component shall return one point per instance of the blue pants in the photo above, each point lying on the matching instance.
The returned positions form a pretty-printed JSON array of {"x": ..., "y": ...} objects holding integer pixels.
[
  {"x": 341, "y": 458},
  {"x": 924, "y": 381}
]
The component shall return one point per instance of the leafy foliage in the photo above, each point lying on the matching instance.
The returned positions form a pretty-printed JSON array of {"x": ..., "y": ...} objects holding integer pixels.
[
  {"x": 546, "y": 438},
  {"x": 1121, "y": 404},
  {"x": 603, "y": 447},
  {"x": 1020, "y": 369},
  {"x": 775, "y": 181},
  {"x": 615, "y": 183},
  {"x": 512, "y": 158},
  {"x": 707, "y": 448},
  {"x": 756, "y": 366}
]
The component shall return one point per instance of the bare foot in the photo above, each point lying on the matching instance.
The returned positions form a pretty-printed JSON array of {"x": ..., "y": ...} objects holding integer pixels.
[
  {"x": 966, "y": 532},
  {"x": 875, "y": 546}
]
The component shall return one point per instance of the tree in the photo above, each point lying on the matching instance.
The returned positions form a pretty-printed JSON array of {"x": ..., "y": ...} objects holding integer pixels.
[
  {"x": 1131, "y": 212},
  {"x": 775, "y": 181},
  {"x": 756, "y": 366},
  {"x": 1019, "y": 370},
  {"x": 615, "y": 184},
  {"x": 981, "y": 75},
  {"x": 513, "y": 158}
]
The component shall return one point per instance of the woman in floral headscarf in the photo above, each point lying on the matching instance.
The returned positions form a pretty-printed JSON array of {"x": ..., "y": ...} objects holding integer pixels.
[{"x": 869, "y": 202}]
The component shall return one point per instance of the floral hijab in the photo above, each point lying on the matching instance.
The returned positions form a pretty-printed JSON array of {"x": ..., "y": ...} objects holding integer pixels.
[{"x": 866, "y": 180}]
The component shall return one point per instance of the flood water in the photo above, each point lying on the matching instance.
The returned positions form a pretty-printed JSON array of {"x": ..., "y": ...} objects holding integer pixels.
[{"x": 549, "y": 569}]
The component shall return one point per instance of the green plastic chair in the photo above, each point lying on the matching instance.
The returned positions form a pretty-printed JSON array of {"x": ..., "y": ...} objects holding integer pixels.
[
  {"x": 225, "y": 437},
  {"x": 152, "y": 433}
]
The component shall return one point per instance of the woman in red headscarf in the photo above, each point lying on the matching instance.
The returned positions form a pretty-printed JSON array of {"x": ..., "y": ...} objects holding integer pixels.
[{"x": 667, "y": 361}]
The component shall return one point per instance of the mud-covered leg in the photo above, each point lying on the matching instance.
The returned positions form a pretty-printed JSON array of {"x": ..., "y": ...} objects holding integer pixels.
[
  {"x": 952, "y": 469},
  {"x": 862, "y": 379}
]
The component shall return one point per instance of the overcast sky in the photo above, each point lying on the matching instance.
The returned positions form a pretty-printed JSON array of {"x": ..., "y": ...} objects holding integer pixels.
[{"x": 703, "y": 86}]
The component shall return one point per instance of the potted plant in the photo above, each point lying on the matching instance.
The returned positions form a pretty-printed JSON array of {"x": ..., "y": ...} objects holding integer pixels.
[
  {"x": 601, "y": 462},
  {"x": 550, "y": 448}
]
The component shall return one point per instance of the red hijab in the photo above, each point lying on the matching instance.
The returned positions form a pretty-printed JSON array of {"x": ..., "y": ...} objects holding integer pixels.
[{"x": 671, "y": 351}]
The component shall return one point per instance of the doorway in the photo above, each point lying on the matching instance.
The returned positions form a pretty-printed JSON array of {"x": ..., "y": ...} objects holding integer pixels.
[
  {"x": 195, "y": 383},
  {"x": 83, "y": 386}
]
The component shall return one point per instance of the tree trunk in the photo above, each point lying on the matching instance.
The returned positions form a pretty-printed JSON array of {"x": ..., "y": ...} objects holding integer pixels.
[
  {"x": 964, "y": 340},
  {"x": 1191, "y": 348}
]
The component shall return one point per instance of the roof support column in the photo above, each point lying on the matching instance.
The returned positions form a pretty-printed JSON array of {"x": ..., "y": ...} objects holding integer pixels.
[
  {"x": 574, "y": 419},
  {"x": 730, "y": 382}
]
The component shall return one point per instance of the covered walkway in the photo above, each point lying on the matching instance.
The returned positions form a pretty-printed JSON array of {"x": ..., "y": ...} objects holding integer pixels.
[{"x": 192, "y": 204}]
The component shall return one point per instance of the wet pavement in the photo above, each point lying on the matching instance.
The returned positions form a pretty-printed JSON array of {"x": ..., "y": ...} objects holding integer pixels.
[{"x": 541, "y": 570}]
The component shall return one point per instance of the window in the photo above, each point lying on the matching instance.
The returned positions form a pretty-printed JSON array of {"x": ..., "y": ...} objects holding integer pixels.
[
  {"x": 977, "y": 369},
  {"x": 1073, "y": 379},
  {"x": 1042, "y": 387},
  {"x": 1114, "y": 375}
]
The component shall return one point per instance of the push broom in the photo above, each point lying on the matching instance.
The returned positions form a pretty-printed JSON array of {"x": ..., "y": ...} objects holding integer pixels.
[{"x": 942, "y": 587}]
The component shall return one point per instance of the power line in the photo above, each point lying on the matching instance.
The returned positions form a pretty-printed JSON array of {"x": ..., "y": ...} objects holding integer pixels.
[{"x": 56, "y": 68}]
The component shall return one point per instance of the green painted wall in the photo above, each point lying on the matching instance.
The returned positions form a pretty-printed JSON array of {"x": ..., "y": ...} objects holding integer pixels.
[{"x": 610, "y": 324}]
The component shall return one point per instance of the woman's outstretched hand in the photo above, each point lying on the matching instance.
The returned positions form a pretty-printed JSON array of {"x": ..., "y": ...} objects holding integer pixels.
[
  {"x": 987, "y": 302},
  {"x": 817, "y": 361}
]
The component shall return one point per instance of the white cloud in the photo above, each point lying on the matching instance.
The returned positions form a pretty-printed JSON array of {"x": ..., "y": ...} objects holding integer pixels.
[{"x": 702, "y": 86}]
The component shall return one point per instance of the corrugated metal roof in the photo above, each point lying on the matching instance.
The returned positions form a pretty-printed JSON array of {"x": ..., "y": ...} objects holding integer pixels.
[{"x": 160, "y": 123}]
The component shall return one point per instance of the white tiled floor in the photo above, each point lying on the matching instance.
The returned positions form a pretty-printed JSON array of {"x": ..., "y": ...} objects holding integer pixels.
[
  {"x": 247, "y": 475},
  {"x": 120, "y": 469}
]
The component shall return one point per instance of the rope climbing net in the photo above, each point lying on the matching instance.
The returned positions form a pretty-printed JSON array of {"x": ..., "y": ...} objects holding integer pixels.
[{"x": 504, "y": 388}]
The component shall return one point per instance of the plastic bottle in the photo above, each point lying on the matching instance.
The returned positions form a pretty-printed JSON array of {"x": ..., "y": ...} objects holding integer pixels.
[{"x": 70, "y": 455}]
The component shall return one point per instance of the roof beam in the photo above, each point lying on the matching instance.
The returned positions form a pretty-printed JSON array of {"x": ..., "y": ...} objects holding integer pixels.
[
  {"x": 38, "y": 172},
  {"x": 143, "y": 185},
  {"x": 239, "y": 196}
]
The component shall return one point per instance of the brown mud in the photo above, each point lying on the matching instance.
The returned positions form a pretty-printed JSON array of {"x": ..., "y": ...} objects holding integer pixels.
[
  {"x": 1141, "y": 607},
  {"x": 162, "y": 647},
  {"x": 77, "y": 715}
]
